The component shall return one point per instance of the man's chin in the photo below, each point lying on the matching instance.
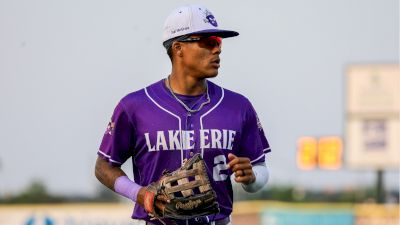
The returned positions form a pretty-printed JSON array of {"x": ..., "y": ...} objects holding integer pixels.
[
  {"x": 208, "y": 74},
  {"x": 213, "y": 74}
]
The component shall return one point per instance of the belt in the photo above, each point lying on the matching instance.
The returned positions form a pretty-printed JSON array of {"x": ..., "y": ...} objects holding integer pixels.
[{"x": 224, "y": 221}]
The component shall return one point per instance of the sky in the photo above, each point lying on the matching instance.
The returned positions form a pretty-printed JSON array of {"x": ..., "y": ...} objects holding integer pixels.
[{"x": 64, "y": 65}]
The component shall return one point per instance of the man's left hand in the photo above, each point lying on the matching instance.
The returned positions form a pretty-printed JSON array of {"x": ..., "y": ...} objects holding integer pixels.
[{"x": 242, "y": 168}]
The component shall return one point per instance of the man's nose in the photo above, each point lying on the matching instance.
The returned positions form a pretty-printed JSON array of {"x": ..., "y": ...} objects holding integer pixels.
[{"x": 217, "y": 48}]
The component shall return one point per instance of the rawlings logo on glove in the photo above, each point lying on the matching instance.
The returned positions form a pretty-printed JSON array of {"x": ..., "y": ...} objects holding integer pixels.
[{"x": 188, "y": 205}]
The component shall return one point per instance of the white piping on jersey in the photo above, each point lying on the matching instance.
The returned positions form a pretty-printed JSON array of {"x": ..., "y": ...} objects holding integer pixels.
[
  {"x": 257, "y": 158},
  {"x": 179, "y": 120},
  {"x": 109, "y": 157},
  {"x": 205, "y": 114},
  {"x": 265, "y": 150}
]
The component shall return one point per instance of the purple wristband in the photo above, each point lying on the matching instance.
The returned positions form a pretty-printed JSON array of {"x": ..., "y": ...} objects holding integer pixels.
[{"x": 126, "y": 187}]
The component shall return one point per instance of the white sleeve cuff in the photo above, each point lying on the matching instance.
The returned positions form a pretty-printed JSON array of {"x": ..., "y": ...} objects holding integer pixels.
[{"x": 262, "y": 175}]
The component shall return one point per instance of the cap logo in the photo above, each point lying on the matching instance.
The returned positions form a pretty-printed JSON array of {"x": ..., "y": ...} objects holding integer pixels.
[{"x": 211, "y": 19}]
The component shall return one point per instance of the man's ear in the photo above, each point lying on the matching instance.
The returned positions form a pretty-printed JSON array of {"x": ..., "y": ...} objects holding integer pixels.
[{"x": 177, "y": 47}]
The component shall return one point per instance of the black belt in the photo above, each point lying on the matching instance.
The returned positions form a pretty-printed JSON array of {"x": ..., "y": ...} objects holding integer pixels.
[{"x": 200, "y": 221}]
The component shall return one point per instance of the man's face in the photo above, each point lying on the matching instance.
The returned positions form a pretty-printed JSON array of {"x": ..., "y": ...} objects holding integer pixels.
[{"x": 200, "y": 55}]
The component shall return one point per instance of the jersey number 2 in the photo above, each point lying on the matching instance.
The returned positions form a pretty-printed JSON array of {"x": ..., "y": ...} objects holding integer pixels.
[{"x": 220, "y": 164}]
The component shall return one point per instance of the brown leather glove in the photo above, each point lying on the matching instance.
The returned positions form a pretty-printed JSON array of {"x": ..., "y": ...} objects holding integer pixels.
[{"x": 178, "y": 197}]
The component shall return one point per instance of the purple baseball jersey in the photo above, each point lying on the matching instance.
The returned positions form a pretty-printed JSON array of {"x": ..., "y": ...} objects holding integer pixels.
[{"x": 155, "y": 130}]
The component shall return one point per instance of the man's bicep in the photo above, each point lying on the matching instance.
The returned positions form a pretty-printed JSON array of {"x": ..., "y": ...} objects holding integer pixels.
[
  {"x": 253, "y": 143},
  {"x": 118, "y": 140}
]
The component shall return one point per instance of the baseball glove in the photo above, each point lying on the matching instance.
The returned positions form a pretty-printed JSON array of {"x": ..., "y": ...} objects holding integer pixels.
[{"x": 187, "y": 193}]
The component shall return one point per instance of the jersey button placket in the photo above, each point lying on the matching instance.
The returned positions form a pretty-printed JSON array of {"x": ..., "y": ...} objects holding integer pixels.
[{"x": 190, "y": 126}]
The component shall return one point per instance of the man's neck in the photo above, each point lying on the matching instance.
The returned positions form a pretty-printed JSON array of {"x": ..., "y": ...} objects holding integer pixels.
[{"x": 186, "y": 85}]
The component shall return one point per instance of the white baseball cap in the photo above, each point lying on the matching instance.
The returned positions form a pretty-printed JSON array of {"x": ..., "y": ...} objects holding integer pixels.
[{"x": 193, "y": 19}]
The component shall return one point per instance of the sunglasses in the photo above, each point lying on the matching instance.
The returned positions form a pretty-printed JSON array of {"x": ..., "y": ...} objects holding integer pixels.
[{"x": 208, "y": 41}]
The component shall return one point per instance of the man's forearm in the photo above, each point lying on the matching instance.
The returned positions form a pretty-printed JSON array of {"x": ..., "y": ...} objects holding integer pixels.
[
  {"x": 262, "y": 175},
  {"x": 106, "y": 173}
]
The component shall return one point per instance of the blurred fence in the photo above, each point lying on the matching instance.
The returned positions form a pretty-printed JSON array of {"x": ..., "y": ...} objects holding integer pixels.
[
  {"x": 66, "y": 214},
  {"x": 309, "y": 217},
  {"x": 246, "y": 213}
]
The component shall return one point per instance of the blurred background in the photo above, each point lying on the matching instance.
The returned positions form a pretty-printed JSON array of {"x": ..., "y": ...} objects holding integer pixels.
[{"x": 323, "y": 76}]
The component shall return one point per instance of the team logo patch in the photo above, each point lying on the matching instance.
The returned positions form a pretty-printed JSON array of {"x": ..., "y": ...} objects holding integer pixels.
[
  {"x": 259, "y": 123},
  {"x": 210, "y": 18},
  {"x": 110, "y": 128}
]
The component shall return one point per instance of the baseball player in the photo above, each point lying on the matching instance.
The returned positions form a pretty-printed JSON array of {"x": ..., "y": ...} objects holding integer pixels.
[{"x": 165, "y": 123}]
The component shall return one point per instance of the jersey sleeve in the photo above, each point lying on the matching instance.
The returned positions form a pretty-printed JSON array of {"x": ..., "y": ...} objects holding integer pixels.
[
  {"x": 117, "y": 142},
  {"x": 254, "y": 144}
]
